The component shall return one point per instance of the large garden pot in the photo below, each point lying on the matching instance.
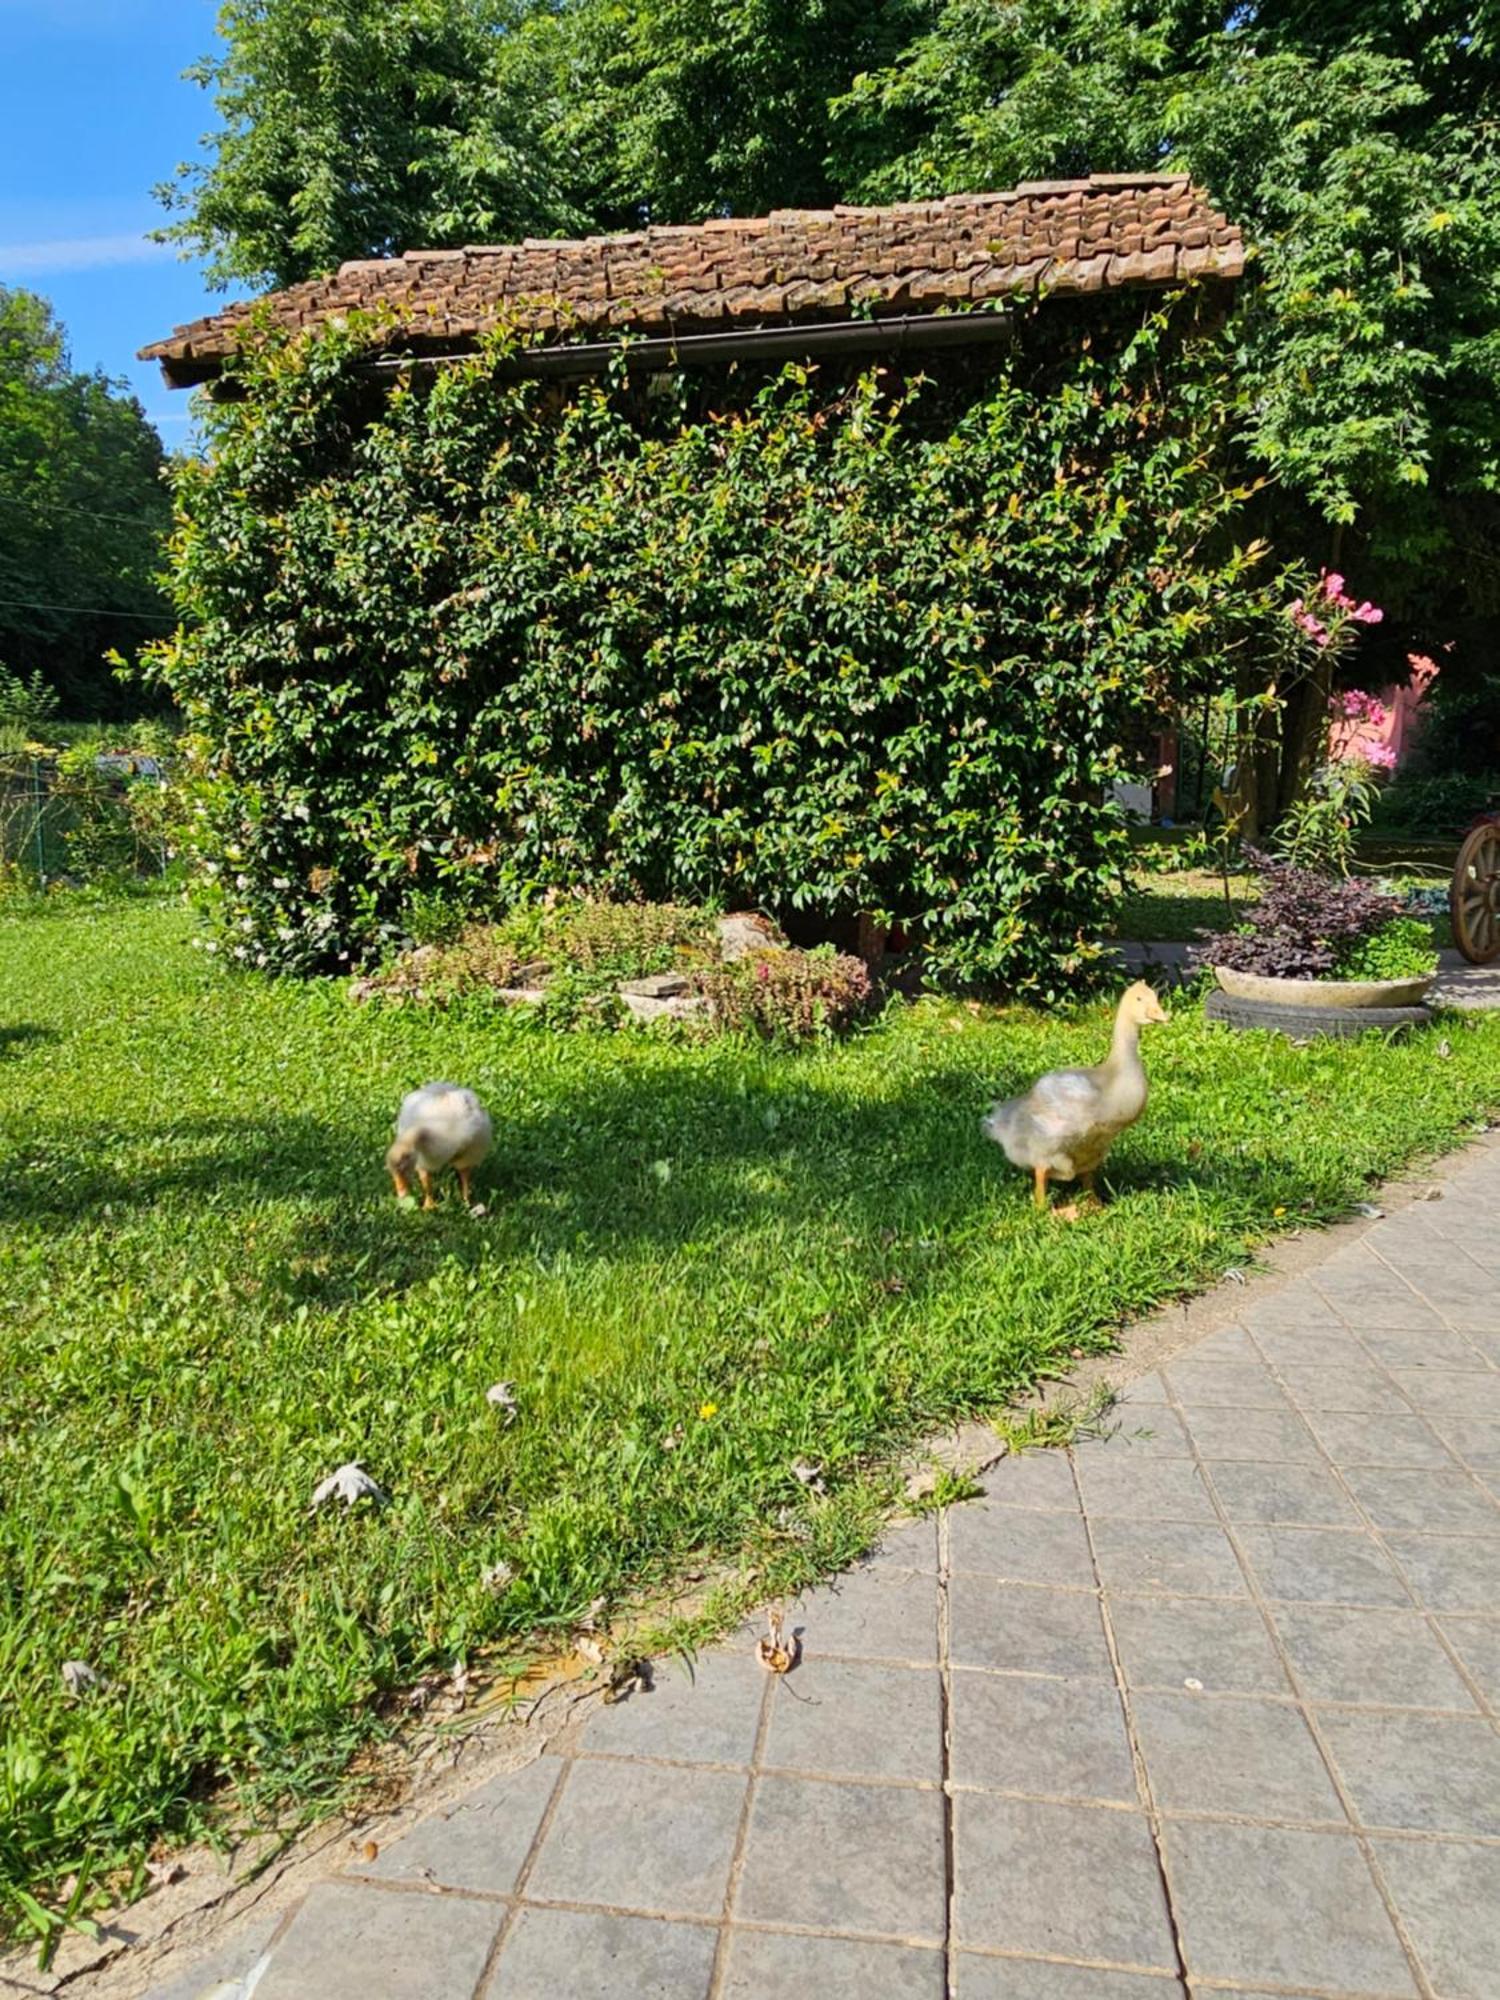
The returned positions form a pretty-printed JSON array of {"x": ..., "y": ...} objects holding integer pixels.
[
  {"x": 1324, "y": 992},
  {"x": 1302, "y": 1007}
]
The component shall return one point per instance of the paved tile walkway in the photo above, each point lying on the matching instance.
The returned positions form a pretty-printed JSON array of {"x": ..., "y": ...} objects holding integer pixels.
[{"x": 1208, "y": 1706}]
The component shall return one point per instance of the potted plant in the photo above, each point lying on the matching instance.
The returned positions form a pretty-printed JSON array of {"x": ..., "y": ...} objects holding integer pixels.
[{"x": 1320, "y": 954}]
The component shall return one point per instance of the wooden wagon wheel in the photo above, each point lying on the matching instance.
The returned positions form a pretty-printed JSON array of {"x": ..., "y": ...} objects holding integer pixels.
[{"x": 1474, "y": 898}]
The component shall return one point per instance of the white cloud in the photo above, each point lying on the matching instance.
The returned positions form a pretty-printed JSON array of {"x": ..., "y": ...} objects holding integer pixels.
[{"x": 77, "y": 253}]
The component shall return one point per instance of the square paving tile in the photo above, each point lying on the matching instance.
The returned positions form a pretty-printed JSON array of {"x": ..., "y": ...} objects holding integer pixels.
[
  {"x": 1356, "y": 1440},
  {"x": 221, "y": 1969},
  {"x": 1151, "y": 1489},
  {"x": 1358, "y": 1391},
  {"x": 1022, "y": 1628},
  {"x": 1449, "y": 1900},
  {"x": 1430, "y": 1347},
  {"x": 1437, "y": 1773},
  {"x": 1218, "y": 1643},
  {"x": 1144, "y": 1389},
  {"x": 862, "y": 1858},
  {"x": 870, "y": 1614},
  {"x": 637, "y": 1837},
  {"x": 1058, "y": 1880},
  {"x": 1451, "y": 1392},
  {"x": 1318, "y": 1350},
  {"x": 1260, "y": 1434},
  {"x": 1477, "y": 1643},
  {"x": 703, "y": 1713},
  {"x": 1046, "y": 1979},
  {"x": 1381, "y": 1300},
  {"x": 1177, "y": 1558},
  {"x": 1233, "y": 1754},
  {"x": 855, "y": 1719},
  {"x": 1021, "y": 1546},
  {"x": 1145, "y": 1430},
  {"x": 480, "y": 1842},
  {"x": 1389, "y": 1658},
  {"x": 1449, "y": 1572},
  {"x": 764, "y": 1965},
  {"x": 1276, "y": 1906},
  {"x": 1308, "y": 1494},
  {"x": 591, "y": 1955},
  {"x": 906, "y": 1545},
  {"x": 1231, "y": 1385},
  {"x": 1033, "y": 1479},
  {"x": 1293, "y": 1309},
  {"x": 1475, "y": 1439},
  {"x": 1321, "y": 1565},
  {"x": 1430, "y": 1500},
  {"x": 350, "y": 1940},
  {"x": 1058, "y": 1739}
]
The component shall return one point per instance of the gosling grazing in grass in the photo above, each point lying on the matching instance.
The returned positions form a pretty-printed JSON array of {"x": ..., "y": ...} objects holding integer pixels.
[
  {"x": 1063, "y": 1127},
  {"x": 440, "y": 1125}
]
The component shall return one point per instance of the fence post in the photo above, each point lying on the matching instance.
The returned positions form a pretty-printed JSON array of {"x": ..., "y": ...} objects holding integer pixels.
[{"x": 37, "y": 810}]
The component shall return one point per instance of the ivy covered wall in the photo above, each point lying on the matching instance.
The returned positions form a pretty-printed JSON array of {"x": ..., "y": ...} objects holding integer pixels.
[{"x": 831, "y": 638}]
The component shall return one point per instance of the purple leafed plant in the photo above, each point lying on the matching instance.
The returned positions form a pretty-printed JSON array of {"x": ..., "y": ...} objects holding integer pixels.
[{"x": 1303, "y": 925}]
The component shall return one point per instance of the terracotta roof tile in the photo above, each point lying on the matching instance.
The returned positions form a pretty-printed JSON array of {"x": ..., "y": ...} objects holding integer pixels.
[{"x": 917, "y": 257}]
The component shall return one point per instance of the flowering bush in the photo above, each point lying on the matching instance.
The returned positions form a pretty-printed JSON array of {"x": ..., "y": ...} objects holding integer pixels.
[
  {"x": 1328, "y": 610},
  {"x": 1312, "y": 926}
]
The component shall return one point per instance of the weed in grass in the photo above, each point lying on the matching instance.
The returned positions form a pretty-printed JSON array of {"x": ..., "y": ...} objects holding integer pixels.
[{"x": 208, "y": 1303}]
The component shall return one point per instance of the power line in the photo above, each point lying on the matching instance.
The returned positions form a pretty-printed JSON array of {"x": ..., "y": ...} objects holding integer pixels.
[
  {"x": 61, "y": 507},
  {"x": 84, "y": 610}
]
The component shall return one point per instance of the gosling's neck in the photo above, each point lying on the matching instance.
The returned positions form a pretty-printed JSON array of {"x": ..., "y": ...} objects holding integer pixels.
[{"x": 1125, "y": 1045}]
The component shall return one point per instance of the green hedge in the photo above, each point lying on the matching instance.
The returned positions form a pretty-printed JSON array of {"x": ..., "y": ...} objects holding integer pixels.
[{"x": 826, "y": 641}]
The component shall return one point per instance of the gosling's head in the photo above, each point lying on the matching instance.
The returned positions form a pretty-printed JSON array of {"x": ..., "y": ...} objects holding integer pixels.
[
  {"x": 401, "y": 1162},
  {"x": 1139, "y": 1004}
]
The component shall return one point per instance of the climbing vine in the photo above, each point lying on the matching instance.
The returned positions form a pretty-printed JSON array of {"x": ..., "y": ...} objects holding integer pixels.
[{"x": 837, "y": 642}]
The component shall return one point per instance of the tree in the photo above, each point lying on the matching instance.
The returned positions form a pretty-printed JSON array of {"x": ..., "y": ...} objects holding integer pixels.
[
  {"x": 1355, "y": 143},
  {"x": 673, "y": 110},
  {"x": 84, "y": 514},
  {"x": 362, "y": 127}
]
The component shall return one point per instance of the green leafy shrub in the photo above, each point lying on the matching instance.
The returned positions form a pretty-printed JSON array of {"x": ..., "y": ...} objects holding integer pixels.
[
  {"x": 1400, "y": 949},
  {"x": 810, "y": 642},
  {"x": 788, "y": 995},
  {"x": 1435, "y": 807},
  {"x": 26, "y": 705}
]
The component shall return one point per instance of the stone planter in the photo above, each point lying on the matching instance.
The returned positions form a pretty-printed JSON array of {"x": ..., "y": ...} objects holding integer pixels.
[
  {"x": 1323, "y": 992},
  {"x": 1304, "y": 1007}
]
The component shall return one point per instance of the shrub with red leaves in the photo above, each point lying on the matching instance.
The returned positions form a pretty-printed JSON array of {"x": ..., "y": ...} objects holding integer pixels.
[{"x": 1304, "y": 925}]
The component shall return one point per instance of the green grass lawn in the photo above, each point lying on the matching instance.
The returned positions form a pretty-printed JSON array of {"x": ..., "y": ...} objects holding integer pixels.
[
  {"x": 1180, "y": 905},
  {"x": 701, "y": 1263}
]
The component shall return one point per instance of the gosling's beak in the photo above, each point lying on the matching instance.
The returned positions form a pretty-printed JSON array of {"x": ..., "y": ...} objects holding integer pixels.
[{"x": 1158, "y": 1012}]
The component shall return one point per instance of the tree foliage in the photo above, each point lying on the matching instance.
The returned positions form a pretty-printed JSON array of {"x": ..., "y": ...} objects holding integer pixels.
[
  {"x": 84, "y": 513},
  {"x": 1356, "y": 147},
  {"x": 845, "y": 645},
  {"x": 364, "y": 127},
  {"x": 1355, "y": 143}
]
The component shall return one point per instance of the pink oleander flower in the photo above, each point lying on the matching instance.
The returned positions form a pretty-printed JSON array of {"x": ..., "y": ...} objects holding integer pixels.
[
  {"x": 1367, "y": 613},
  {"x": 1331, "y": 584},
  {"x": 1379, "y": 756}
]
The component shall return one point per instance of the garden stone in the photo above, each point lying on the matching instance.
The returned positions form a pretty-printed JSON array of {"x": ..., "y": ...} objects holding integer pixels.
[
  {"x": 744, "y": 935},
  {"x": 677, "y": 1007},
  {"x": 658, "y": 986}
]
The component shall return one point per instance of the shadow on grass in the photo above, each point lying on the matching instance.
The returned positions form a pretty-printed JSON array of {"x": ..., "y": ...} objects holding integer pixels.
[
  {"x": 653, "y": 1162},
  {"x": 15, "y": 1035}
]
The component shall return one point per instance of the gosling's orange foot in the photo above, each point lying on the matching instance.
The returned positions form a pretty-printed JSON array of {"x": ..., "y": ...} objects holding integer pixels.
[{"x": 1069, "y": 1211}]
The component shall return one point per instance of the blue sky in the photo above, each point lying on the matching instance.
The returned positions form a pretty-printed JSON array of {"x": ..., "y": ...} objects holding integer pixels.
[{"x": 93, "y": 112}]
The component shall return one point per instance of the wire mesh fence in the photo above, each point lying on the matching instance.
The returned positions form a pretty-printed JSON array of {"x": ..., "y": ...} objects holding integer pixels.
[{"x": 76, "y": 820}]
